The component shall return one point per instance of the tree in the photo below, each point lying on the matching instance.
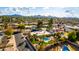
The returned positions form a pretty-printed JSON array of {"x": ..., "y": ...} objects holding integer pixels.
[
  {"x": 39, "y": 24},
  {"x": 63, "y": 39},
  {"x": 72, "y": 36},
  {"x": 8, "y": 32},
  {"x": 42, "y": 46},
  {"x": 21, "y": 27},
  {"x": 6, "y": 21},
  {"x": 57, "y": 35},
  {"x": 50, "y": 24},
  {"x": 77, "y": 34},
  {"x": 20, "y": 20}
]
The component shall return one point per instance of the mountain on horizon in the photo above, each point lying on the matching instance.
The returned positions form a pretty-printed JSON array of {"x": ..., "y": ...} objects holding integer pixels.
[
  {"x": 12, "y": 15},
  {"x": 39, "y": 16}
]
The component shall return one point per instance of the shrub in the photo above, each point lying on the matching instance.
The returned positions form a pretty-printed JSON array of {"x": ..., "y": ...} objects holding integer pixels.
[
  {"x": 21, "y": 26},
  {"x": 72, "y": 36},
  {"x": 9, "y": 32},
  {"x": 62, "y": 39},
  {"x": 77, "y": 34}
]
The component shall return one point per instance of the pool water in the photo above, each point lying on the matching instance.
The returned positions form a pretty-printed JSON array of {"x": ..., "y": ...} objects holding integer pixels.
[
  {"x": 46, "y": 38},
  {"x": 65, "y": 48}
]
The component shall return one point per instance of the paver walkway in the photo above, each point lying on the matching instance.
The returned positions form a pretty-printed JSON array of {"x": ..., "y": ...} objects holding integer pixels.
[{"x": 11, "y": 44}]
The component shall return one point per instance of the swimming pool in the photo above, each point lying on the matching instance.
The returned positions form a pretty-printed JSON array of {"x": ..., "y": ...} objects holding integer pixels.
[
  {"x": 46, "y": 39},
  {"x": 65, "y": 48}
]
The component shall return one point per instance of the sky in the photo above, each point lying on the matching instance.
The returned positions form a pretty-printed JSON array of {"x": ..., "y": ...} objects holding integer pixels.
[{"x": 44, "y": 11}]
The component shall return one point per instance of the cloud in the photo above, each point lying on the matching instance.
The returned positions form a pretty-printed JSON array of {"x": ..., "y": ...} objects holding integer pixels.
[{"x": 52, "y": 11}]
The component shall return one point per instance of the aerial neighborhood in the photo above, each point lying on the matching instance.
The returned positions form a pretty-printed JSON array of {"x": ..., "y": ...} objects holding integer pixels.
[{"x": 38, "y": 33}]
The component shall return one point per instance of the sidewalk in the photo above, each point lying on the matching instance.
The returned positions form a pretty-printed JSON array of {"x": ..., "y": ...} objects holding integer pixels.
[
  {"x": 71, "y": 48},
  {"x": 11, "y": 45},
  {"x": 77, "y": 42}
]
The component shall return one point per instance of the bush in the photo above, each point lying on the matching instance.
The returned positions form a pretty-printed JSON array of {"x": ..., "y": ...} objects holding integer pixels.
[
  {"x": 72, "y": 36},
  {"x": 21, "y": 26},
  {"x": 62, "y": 39},
  {"x": 9, "y": 32},
  {"x": 77, "y": 34}
]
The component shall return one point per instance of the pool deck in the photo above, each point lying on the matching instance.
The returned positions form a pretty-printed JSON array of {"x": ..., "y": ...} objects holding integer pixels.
[
  {"x": 57, "y": 48},
  {"x": 70, "y": 48},
  {"x": 77, "y": 42}
]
